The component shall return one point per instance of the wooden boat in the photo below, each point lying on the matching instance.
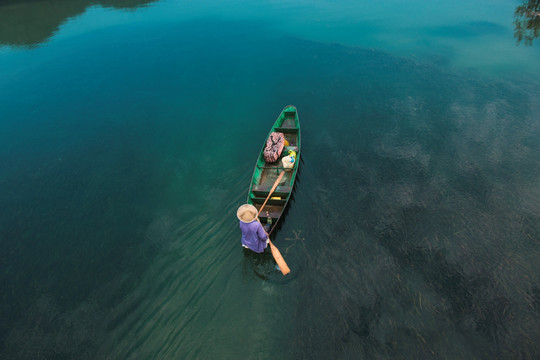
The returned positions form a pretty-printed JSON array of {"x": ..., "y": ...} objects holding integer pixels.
[{"x": 266, "y": 174}]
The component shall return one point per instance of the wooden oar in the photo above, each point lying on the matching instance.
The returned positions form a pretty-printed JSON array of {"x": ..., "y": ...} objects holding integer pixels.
[
  {"x": 277, "y": 256},
  {"x": 271, "y": 191},
  {"x": 275, "y": 252},
  {"x": 279, "y": 259}
]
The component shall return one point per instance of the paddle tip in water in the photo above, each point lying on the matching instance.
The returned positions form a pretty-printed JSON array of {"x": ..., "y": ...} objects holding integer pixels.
[{"x": 279, "y": 260}]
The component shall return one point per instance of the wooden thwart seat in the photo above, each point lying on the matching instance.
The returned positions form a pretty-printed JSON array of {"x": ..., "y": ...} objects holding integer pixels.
[
  {"x": 263, "y": 190},
  {"x": 271, "y": 167},
  {"x": 266, "y": 188},
  {"x": 286, "y": 130},
  {"x": 260, "y": 200}
]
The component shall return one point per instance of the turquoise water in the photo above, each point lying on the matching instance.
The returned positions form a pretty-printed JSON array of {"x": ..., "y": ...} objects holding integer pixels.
[{"x": 129, "y": 136}]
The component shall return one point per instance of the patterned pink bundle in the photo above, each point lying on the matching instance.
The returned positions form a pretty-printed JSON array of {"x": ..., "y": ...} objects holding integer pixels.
[{"x": 274, "y": 147}]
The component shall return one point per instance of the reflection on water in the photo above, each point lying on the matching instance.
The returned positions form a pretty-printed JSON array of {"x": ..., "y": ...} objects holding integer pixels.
[
  {"x": 28, "y": 23},
  {"x": 418, "y": 242},
  {"x": 465, "y": 30},
  {"x": 527, "y": 21},
  {"x": 413, "y": 232}
]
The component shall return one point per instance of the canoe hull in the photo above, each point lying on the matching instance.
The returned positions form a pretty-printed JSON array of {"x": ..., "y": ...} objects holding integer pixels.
[{"x": 265, "y": 174}]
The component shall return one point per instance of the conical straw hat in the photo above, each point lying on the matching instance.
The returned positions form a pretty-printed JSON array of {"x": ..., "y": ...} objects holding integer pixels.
[{"x": 247, "y": 213}]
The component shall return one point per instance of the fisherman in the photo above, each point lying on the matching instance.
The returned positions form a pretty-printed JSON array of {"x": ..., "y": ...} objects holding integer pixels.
[{"x": 254, "y": 237}]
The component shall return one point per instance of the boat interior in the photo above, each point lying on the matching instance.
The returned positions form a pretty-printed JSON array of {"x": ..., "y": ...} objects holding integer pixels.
[{"x": 267, "y": 173}]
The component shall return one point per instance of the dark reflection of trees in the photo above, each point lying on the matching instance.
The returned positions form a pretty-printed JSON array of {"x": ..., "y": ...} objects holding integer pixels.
[
  {"x": 527, "y": 21},
  {"x": 31, "y": 22}
]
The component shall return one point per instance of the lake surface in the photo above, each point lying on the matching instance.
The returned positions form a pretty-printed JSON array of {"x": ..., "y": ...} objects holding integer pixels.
[{"x": 129, "y": 132}]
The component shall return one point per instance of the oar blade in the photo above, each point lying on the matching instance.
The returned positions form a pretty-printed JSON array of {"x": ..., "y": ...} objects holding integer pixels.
[{"x": 279, "y": 260}]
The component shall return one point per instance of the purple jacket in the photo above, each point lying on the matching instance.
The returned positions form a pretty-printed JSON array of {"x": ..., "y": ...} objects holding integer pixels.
[{"x": 253, "y": 236}]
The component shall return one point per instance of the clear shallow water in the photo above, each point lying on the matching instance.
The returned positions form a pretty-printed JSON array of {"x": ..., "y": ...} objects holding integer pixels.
[{"x": 129, "y": 137}]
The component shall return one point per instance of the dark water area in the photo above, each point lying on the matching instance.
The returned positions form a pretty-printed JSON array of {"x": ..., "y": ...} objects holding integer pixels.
[
  {"x": 125, "y": 151},
  {"x": 427, "y": 242},
  {"x": 32, "y": 22}
]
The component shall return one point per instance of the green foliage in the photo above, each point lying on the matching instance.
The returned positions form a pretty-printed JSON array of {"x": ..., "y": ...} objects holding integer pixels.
[{"x": 527, "y": 21}]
